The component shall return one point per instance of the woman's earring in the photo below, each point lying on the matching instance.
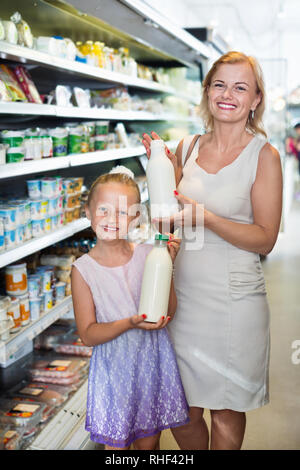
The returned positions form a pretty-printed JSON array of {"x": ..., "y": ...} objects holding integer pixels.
[{"x": 252, "y": 114}]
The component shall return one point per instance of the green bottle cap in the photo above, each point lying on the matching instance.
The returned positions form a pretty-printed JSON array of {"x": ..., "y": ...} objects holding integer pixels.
[{"x": 160, "y": 236}]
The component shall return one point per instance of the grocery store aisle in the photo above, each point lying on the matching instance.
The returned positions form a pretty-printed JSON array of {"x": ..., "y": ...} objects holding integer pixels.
[{"x": 277, "y": 426}]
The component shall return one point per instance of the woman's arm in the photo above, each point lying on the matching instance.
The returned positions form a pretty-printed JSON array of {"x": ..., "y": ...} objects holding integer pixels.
[{"x": 266, "y": 197}]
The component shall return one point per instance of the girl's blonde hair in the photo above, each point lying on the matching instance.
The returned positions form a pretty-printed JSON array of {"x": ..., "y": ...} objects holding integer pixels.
[
  {"x": 114, "y": 178},
  {"x": 254, "y": 124}
]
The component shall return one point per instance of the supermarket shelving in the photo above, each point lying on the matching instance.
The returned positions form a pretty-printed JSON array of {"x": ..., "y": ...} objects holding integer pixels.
[
  {"x": 33, "y": 329},
  {"x": 36, "y": 244},
  {"x": 9, "y": 170},
  {"x": 26, "y": 55},
  {"x": 32, "y": 109},
  {"x": 66, "y": 429}
]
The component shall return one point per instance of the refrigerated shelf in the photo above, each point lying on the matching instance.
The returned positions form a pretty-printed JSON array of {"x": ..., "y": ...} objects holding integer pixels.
[
  {"x": 32, "y": 56},
  {"x": 9, "y": 170},
  {"x": 36, "y": 244},
  {"x": 33, "y": 329},
  {"x": 32, "y": 109}
]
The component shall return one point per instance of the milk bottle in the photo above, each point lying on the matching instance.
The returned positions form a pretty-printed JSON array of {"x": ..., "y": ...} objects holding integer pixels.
[
  {"x": 161, "y": 182},
  {"x": 155, "y": 292}
]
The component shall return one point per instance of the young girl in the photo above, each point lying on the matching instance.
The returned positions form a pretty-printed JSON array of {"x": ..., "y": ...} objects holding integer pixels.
[{"x": 134, "y": 389}]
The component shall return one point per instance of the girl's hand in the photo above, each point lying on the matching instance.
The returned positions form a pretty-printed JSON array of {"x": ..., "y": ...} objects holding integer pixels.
[
  {"x": 138, "y": 321},
  {"x": 173, "y": 246},
  {"x": 147, "y": 142}
]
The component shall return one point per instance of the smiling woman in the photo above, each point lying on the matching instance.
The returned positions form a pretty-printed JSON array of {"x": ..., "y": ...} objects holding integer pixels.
[
  {"x": 239, "y": 88},
  {"x": 221, "y": 328}
]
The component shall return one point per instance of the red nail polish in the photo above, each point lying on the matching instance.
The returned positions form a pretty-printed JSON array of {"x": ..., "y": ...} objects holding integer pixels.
[
  {"x": 176, "y": 193},
  {"x": 144, "y": 316},
  {"x": 162, "y": 318},
  {"x": 168, "y": 151}
]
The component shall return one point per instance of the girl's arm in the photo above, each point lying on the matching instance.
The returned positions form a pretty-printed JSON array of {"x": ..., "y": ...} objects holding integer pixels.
[
  {"x": 173, "y": 247},
  {"x": 172, "y": 301},
  {"x": 91, "y": 332}
]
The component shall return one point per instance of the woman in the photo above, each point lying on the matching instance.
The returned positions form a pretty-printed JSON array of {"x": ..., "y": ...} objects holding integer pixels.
[{"x": 221, "y": 328}]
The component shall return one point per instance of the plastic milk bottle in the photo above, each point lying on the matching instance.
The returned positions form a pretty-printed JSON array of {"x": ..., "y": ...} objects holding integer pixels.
[
  {"x": 156, "y": 283},
  {"x": 161, "y": 182}
]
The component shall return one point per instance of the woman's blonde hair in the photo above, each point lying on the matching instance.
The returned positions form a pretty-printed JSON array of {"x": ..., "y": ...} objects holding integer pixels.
[
  {"x": 114, "y": 178},
  {"x": 254, "y": 124}
]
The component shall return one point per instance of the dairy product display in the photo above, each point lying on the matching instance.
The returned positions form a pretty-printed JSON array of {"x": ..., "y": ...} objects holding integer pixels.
[{"x": 156, "y": 282}]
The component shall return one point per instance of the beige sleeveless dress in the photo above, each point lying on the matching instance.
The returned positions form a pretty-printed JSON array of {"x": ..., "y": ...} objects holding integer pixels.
[{"x": 221, "y": 327}]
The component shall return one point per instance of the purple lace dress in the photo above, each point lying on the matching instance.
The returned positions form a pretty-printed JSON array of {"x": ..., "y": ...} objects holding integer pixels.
[{"x": 134, "y": 386}]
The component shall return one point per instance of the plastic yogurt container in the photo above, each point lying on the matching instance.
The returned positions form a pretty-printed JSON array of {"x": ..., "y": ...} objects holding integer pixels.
[
  {"x": 14, "y": 312},
  {"x": 53, "y": 205},
  {"x": 16, "y": 279},
  {"x": 48, "y": 187},
  {"x": 35, "y": 307},
  {"x": 20, "y": 236},
  {"x": 34, "y": 189},
  {"x": 9, "y": 216},
  {"x": 36, "y": 209},
  {"x": 24, "y": 309},
  {"x": 38, "y": 227},
  {"x": 9, "y": 239},
  {"x": 33, "y": 286},
  {"x": 60, "y": 291},
  {"x": 48, "y": 300},
  {"x": 48, "y": 224}
]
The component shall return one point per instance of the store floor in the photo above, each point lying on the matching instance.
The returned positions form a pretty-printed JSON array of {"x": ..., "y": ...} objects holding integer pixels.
[{"x": 277, "y": 425}]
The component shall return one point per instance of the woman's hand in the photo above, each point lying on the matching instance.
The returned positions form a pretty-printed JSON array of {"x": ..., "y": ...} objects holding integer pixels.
[
  {"x": 138, "y": 321},
  {"x": 147, "y": 142},
  {"x": 192, "y": 214}
]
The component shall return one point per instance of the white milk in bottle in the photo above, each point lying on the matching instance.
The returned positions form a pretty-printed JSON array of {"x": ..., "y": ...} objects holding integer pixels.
[
  {"x": 161, "y": 182},
  {"x": 155, "y": 292}
]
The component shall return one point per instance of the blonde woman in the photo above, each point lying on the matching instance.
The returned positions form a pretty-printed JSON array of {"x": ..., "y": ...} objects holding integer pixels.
[{"x": 221, "y": 327}]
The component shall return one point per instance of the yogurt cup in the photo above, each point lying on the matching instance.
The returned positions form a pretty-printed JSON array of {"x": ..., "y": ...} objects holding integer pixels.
[
  {"x": 20, "y": 211},
  {"x": 20, "y": 236},
  {"x": 34, "y": 189},
  {"x": 36, "y": 209},
  {"x": 10, "y": 239},
  {"x": 48, "y": 300},
  {"x": 9, "y": 216},
  {"x": 46, "y": 280},
  {"x": 35, "y": 306},
  {"x": 60, "y": 291},
  {"x": 44, "y": 207},
  {"x": 24, "y": 309},
  {"x": 25, "y": 203},
  {"x": 14, "y": 312},
  {"x": 16, "y": 279},
  {"x": 34, "y": 287},
  {"x": 27, "y": 231},
  {"x": 48, "y": 187},
  {"x": 53, "y": 205},
  {"x": 42, "y": 304},
  {"x": 48, "y": 224},
  {"x": 54, "y": 223},
  {"x": 59, "y": 184},
  {"x": 38, "y": 228}
]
